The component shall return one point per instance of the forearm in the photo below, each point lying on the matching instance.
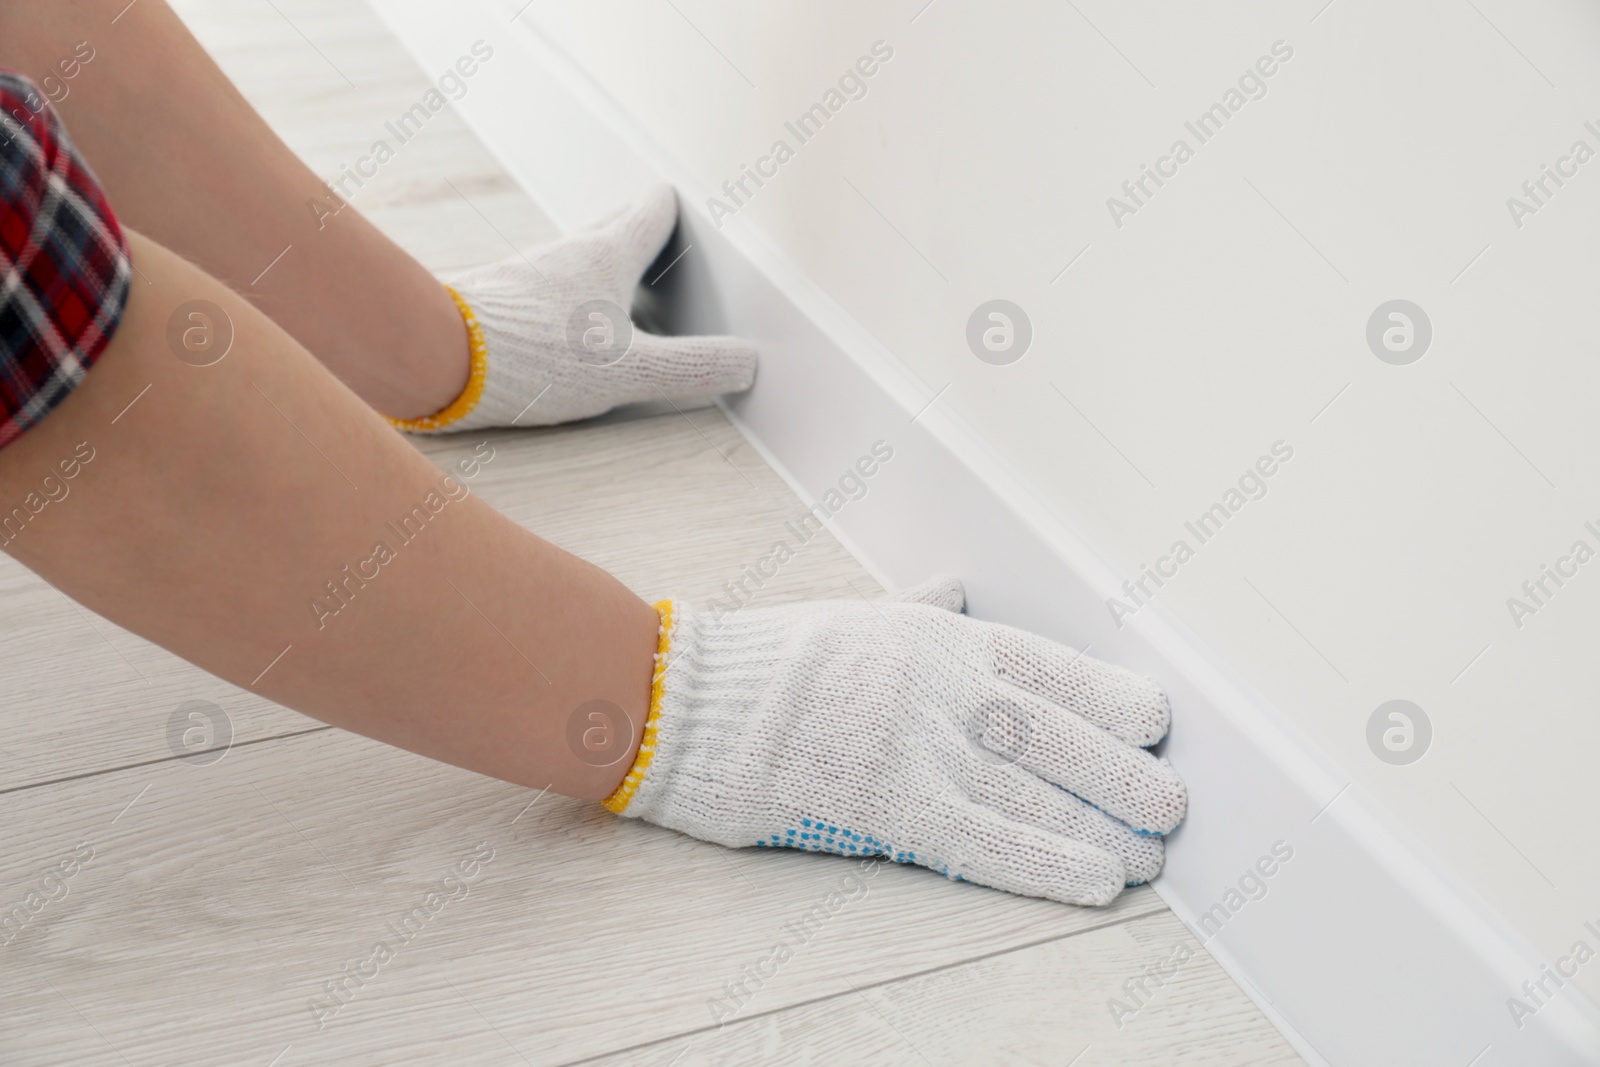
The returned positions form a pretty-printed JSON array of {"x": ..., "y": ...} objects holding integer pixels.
[
  {"x": 187, "y": 161},
  {"x": 219, "y": 505}
]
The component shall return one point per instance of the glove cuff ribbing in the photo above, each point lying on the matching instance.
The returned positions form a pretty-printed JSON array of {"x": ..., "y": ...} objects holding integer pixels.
[{"x": 619, "y": 800}]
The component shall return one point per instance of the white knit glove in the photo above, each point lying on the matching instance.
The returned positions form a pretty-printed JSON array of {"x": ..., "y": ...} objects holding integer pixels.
[
  {"x": 557, "y": 338},
  {"x": 904, "y": 729}
]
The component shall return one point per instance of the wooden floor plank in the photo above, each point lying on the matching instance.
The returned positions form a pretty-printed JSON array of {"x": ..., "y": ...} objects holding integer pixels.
[
  {"x": 211, "y": 906},
  {"x": 1135, "y": 994}
]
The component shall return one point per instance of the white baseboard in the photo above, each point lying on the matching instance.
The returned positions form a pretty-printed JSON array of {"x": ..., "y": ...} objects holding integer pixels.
[{"x": 1364, "y": 949}]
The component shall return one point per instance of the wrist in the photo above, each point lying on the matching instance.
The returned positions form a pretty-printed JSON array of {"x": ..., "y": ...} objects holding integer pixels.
[{"x": 456, "y": 383}]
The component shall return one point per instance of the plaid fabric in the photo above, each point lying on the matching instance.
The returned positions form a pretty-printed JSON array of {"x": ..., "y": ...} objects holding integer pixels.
[{"x": 64, "y": 265}]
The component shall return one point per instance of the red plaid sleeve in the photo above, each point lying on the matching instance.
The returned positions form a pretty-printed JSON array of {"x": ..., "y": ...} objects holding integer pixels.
[{"x": 64, "y": 264}]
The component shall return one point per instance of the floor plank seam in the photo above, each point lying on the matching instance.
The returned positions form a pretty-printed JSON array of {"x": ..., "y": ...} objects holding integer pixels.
[
  {"x": 1159, "y": 908},
  {"x": 164, "y": 759}
]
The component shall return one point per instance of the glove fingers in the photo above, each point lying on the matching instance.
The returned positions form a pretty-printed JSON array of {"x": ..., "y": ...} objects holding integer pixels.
[
  {"x": 966, "y": 840},
  {"x": 638, "y": 231},
  {"x": 1126, "y": 704},
  {"x": 1018, "y": 795},
  {"x": 941, "y": 591},
  {"x": 1064, "y": 749},
  {"x": 691, "y": 366}
]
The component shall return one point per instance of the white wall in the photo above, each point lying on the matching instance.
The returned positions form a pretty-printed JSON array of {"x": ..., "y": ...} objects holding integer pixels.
[{"x": 1224, "y": 316}]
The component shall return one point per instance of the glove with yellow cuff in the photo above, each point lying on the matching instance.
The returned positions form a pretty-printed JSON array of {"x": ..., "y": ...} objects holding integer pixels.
[
  {"x": 905, "y": 730},
  {"x": 551, "y": 340}
]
